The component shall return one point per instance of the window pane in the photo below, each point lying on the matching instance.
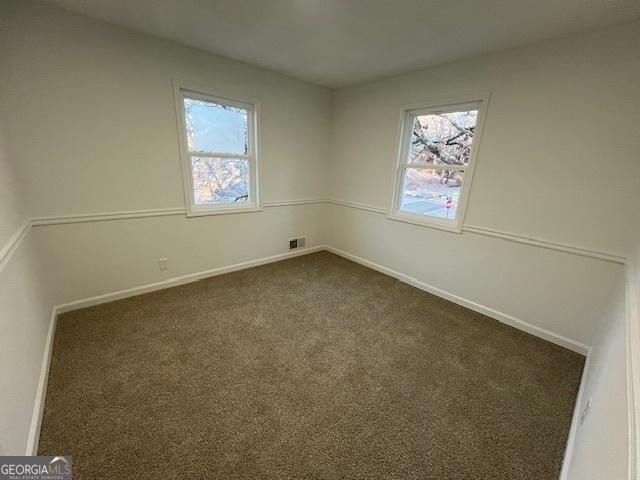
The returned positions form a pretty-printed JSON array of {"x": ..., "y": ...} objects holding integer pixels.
[
  {"x": 431, "y": 192},
  {"x": 215, "y": 128},
  {"x": 220, "y": 180},
  {"x": 442, "y": 138}
]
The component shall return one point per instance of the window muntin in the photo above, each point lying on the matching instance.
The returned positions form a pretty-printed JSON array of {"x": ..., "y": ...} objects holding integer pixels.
[
  {"x": 436, "y": 156},
  {"x": 220, "y": 156}
]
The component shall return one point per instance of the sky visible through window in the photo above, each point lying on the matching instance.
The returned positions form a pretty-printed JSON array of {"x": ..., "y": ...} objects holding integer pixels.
[{"x": 215, "y": 128}]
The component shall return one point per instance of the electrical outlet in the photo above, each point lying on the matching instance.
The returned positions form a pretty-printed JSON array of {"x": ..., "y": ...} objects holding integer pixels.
[
  {"x": 163, "y": 264},
  {"x": 585, "y": 411},
  {"x": 293, "y": 243},
  {"x": 302, "y": 241}
]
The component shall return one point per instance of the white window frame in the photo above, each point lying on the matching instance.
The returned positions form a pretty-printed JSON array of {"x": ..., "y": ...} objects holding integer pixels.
[
  {"x": 408, "y": 112},
  {"x": 182, "y": 91}
]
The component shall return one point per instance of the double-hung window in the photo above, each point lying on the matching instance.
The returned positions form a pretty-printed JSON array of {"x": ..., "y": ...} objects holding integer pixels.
[
  {"x": 437, "y": 157},
  {"x": 219, "y": 150}
]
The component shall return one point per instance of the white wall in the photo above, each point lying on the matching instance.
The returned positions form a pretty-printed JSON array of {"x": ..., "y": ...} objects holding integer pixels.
[
  {"x": 558, "y": 161},
  {"x": 556, "y": 293},
  {"x": 25, "y": 310},
  {"x": 559, "y": 148},
  {"x": 606, "y": 444},
  {"x": 94, "y": 122},
  {"x": 93, "y": 130},
  {"x": 11, "y": 211},
  {"x": 601, "y": 446},
  {"x": 87, "y": 259},
  {"x": 633, "y": 353}
]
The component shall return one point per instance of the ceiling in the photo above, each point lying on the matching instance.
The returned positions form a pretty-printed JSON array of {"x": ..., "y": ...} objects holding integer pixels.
[{"x": 341, "y": 42}]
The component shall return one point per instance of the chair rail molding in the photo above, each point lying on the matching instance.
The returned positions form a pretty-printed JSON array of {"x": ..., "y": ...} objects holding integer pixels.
[
  {"x": 16, "y": 239},
  {"x": 511, "y": 237},
  {"x": 13, "y": 243}
]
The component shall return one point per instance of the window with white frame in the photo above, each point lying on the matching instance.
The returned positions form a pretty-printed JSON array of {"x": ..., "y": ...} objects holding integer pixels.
[
  {"x": 436, "y": 163},
  {"x": 219, "y": 152}
]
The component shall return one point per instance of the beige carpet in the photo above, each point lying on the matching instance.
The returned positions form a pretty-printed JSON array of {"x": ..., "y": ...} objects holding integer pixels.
[{"x": 310, "y": 368}]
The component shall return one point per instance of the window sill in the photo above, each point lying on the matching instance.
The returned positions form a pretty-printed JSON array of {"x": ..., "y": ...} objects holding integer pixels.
[
  {"x": 447, "y": 227},
  {"x": 224, "y": 211}
]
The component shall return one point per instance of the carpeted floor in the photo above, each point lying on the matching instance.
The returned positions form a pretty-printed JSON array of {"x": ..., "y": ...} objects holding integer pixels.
[{"x": 310, "y": 368}]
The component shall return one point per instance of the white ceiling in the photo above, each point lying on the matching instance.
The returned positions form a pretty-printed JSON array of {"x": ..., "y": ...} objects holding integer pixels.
[{"x": 341, "y": 42}]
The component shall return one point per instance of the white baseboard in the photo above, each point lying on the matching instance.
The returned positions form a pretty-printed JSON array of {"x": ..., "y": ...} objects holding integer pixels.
[
  {"x": 575, "y": 421},
  {"x": 41, "y": 392},
  {"x": 183, "y": 279},
  {"x": 489, "y": 312}
]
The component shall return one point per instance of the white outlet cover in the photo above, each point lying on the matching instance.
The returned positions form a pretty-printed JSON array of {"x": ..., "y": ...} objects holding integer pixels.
[{"x": 163, "y": 263}]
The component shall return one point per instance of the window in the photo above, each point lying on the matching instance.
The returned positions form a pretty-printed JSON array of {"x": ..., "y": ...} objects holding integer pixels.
[
  {"x": 436, "y": 162},
  {"x": 218, "y": 142}
]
